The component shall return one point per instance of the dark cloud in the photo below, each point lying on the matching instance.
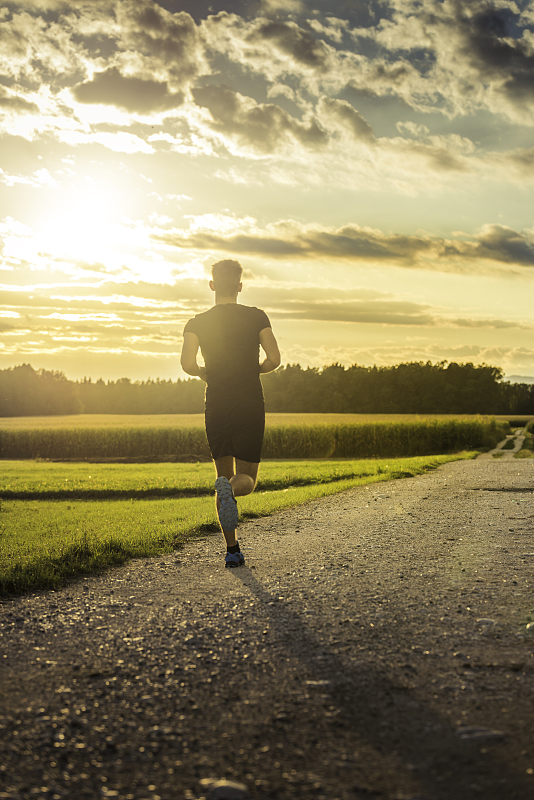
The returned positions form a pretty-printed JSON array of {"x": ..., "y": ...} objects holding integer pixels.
[
  {"x": 523, "y": 158},
  {"x": 495, "y": 243},
  {"x": 489, "y": 323},
  {"x": 356, "y": 11},
  {"x": 200, "y": 9},
  {"x": 133, "y": 94},
  {"x": 501, "y": 243},
  {"x": 7, "y": 327},
  {"x": 349, "y": 117},
  {"x": 170, "y": 40},
  {"x": 108, "y": 297},
  {"x": 263, "y": 126},
  {"x": 438, "y": 158},
  {"x": 348, "y": 242},
  {"x": 291, "y": 40},
  {"x": 15, "y": 103},
  {"x": 453, "y": 57},
  {"x": 377, "y": 312},
  {"x": 393, "y": 75},
  {"x": 493, "y": 44}
]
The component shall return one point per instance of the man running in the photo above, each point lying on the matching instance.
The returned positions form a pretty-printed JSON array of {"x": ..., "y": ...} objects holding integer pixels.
[{"x": 229, "y": 336}]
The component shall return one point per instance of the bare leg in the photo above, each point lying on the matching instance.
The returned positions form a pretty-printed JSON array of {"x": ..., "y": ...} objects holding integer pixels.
[{"x": 242, "y": 480}]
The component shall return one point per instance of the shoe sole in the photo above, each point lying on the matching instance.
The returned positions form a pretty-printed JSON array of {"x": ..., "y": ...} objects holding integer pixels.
[
  {"x": 233, "y": 565},
  {"x": 228, "y": 513}
]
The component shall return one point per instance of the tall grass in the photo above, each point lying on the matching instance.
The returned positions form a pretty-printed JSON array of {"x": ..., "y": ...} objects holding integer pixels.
[
  {"x": 382, "y": 439},
  {"x": 367, "y": 440},
  {"x": 81, "y": 443}
]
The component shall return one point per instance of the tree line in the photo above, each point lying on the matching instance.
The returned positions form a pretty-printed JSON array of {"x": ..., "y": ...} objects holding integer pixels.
[{"x": 410, "y": 388}]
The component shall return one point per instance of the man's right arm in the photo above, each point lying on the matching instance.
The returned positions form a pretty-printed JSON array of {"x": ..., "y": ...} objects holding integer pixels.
[
  {"x": 188, "y": 359},
  {"x": 272, "y": 353}
]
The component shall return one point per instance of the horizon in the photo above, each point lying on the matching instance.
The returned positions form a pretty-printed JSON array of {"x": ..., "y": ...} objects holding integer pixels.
[{"x": 369, "y": 164}]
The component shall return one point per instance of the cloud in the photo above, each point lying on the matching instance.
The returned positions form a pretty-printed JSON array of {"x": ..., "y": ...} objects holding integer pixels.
[
  {"x": 136, "y": 317},
  {"x": 370, "y": 312},
  {"x": 494, "y": 243},
  {"x": 455, "y": 57},
  {"x": 277, "y": 6},
  {"x": 263, "y": 126},
  {"x": 36, "y": 49},
  {"x": 13, "y": 102},
  {"x": 117, "y": 141},
  {"x": 39, "y": 178},
  {"x": 349, "y": 117},
  {"x": 386, "y": 312},
  {"x": 133, "y": 94},
  {"x": 292, "y": 41},
  {"x": 54, "y": 5},
  {"x": 169, "y": 44},
  {"x": 501, "y": 243},
  {"x": 492, "y": 46}
]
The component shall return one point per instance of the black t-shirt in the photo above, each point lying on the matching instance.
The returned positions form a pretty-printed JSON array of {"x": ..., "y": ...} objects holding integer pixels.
[{"x": 229, "y": 336}]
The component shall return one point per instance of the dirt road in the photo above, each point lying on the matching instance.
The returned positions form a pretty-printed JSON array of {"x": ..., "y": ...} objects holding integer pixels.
[{"x": 375, "y": 645}]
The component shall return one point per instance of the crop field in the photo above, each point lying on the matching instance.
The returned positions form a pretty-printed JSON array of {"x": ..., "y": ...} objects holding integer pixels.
[
  {"x": 60, "y": 521},
  {"x": 197, "y": 420},
  {"x": 286, "y": 436}
]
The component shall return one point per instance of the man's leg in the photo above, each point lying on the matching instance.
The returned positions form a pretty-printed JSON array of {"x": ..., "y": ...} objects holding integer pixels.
[{"x": 242, "y": 481}]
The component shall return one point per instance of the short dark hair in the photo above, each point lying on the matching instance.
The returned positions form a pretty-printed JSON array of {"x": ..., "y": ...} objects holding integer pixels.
[{"x": 226, "y": 276}]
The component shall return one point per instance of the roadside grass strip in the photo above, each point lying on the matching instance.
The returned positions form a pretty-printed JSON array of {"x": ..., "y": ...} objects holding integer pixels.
[
  {"x": 527, "y": 449},
  {"x": 46, "y": 542},
  {"x": 41, "y": 480}
]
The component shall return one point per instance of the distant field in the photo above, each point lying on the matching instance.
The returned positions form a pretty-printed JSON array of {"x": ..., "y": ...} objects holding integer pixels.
[
  {"x": 287, "y": 436},
  {"x": 197, "y": 420}
]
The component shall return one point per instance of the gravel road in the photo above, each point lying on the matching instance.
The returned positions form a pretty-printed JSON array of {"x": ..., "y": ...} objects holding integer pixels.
[{"x": 374, "y": 647}]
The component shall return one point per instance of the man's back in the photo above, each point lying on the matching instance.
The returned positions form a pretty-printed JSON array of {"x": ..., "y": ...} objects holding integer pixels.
[{"x": 229, "y": 336}]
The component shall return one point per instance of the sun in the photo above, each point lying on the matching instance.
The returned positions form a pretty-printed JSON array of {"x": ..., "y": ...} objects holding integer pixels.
[{"x": 82, "y": 226}]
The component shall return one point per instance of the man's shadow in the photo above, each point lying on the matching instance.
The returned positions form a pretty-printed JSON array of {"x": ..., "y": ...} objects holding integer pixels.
[{"x": 411, "y": 740}]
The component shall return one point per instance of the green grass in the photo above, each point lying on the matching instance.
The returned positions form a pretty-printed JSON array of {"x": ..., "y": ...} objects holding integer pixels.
[
  {"x": 41, "y": 480},
  {"x": 527, "y": 450},
  {"x": 46, "y": 541},
  {"x": 510, "y": 444}
]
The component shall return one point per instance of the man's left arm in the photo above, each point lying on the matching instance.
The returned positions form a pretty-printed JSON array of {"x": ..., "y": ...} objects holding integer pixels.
[
  {"x": 188, "y": 359},
  {"x": 272, "y": 353}
]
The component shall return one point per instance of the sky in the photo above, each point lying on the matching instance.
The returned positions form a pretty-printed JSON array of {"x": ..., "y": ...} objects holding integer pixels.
[{"x": 370, "y": 164}]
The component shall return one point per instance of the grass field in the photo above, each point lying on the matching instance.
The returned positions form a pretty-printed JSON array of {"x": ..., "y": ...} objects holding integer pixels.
[{"x": 60, "y": 521}]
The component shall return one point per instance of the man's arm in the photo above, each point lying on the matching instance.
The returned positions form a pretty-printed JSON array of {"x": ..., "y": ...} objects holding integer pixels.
[
  {"x": 188, "y": 359},
  {"x": 270, "y": 346}
]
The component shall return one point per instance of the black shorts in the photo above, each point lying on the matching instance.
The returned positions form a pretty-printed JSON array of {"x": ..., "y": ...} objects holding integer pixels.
[{"x": 236, "y": 429}]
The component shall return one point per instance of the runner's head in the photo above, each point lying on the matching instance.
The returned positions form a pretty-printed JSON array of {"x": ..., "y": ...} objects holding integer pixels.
[{"x": 226, "y": 278}]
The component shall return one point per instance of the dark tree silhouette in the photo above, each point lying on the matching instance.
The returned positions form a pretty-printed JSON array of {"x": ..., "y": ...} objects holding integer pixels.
[
  {"x": 26, "y": 392},
  {"x": 410, "y": 388}
]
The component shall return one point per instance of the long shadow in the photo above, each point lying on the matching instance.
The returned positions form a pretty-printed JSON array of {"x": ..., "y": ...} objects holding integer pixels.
[
  {"x": 515, "y": 490},
  {"x": 448, "y": 768},
  {"x": 105, "y": 494}
]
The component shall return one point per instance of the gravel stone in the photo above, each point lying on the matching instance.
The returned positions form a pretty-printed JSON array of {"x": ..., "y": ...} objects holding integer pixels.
[{"x": 224, "y": 790}]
